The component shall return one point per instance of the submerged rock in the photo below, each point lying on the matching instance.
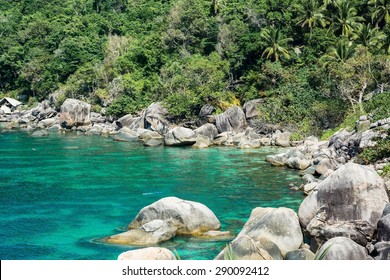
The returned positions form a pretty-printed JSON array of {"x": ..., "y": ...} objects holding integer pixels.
[
  {"x": 151, "y": 233},
  {"x": 150, "y": 253}
]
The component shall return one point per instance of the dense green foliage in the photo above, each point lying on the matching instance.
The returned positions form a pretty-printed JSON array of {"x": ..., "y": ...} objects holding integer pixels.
[
  {"x": 380, "y": 151},
  {"x": 311, "y": 61}
]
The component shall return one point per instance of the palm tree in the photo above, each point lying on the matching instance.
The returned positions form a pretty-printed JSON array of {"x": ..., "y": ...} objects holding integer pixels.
[
  {"x": 346, "y": 18},
  {"x": 276, "y": 43},
  {"x": 340, "y": 53},
  {"x": 368, "y": 36},
  {"x": 381, "y": 11},
  {"x": 311, "y": 14}
]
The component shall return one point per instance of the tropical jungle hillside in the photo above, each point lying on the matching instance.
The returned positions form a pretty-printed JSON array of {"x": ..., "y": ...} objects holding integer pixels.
[{"x": 316, "y": 65}]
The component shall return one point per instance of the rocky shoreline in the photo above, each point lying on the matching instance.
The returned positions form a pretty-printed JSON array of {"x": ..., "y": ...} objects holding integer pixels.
[{"x": 345, "y": 214}]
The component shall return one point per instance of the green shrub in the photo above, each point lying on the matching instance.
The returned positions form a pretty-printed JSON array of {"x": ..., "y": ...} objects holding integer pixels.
[
  {"x": 373, "y": 154},
  {"x": 121, "y": 106},
  {"x": 379, "y": 106},
  {"x": 348, "y": 123},
  {"x": 386, "y": 171}
]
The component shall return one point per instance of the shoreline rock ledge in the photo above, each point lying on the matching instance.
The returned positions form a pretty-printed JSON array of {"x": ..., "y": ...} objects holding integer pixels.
[{"x": 168, "y": 217}]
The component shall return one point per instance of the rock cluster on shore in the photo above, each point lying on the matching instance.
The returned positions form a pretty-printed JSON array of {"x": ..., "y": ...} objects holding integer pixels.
[
  {"x": 346, "y": 214},
  {"x": 151, "y": 126}
]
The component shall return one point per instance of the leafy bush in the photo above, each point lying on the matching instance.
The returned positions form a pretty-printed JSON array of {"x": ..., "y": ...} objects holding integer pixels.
[
  {"x": 373, "y": 154},
  {"x": 379, "y": 106}
]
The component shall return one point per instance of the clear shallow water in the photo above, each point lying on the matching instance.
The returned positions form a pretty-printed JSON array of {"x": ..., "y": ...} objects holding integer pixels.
[{"x": 59, "y": 195}]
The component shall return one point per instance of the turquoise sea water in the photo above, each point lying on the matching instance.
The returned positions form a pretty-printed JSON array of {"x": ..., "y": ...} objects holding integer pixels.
[{"x": 59, "y": 195}]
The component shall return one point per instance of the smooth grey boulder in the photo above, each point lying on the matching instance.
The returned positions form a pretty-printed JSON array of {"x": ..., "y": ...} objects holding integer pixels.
[
  {"x": 279, "y": 225},
  {"x": 152, "y": 118},
  {"x": 298, "y": 161},
  {"x": 145, "y": 135},
  {"x": 281, "y": 139},
  {"x": 126, "y": 135},
  {"x": 209, "y": 130},
  {"x": 153, "y": 142},
  {"x": 308, "y": 208},
  {"x": 250, "y": 108},
  {"x": 300, "y": 254},
  {"x": 342, "y": 248},
  {"x": 232, "y": 120},
  {"x": 180, "y": 136},
  {"x": 246, "y": 143},
  {"x": 265, "y": 141},
  {"x": 348, "y": 203},
  {"x": 40, "y": 133},
  {"x": 150, "y": 253},
  {"x": 277, "y": 160},
  {"x": 97, "y": 118},
  {"x": 190, "y": 218},
  {"x": 125, "y": 121},
  {"x": 155, "y": 118},
  {"x": 75, "y": 113},
  {"x": 202, "y": 142},
  {"x": 324, "y": 165},
  {"x": 246, "y": 248},
  {"x": 151, "y": 233}
]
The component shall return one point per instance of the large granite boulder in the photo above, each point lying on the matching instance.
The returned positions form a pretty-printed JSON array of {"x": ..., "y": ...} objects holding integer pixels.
[
  {"x": 298, "y": 161},
  {"x": 246, "y": 248},
  {"x": 180, "y": 136},
  {"x": 151, "y": 233},
  {"x": 279, "y": 225},
  {"x": 75, "y": 113},
  {"x": 347, "y": 203},
  {"x": 152, "y": 118},
  {"x": 342, "y": 248},
  {"x": 125, "y": 121},
  {"x": 281, "y": 139},
  {"x": 277, "y": 160},
  {"x": 232, "y": 120},
  {"x": 150, "y": 253},
  {"x": 190, "y": 218},
  {"x": 324, "y": 165},
  {"x": 209, "y": 130}
]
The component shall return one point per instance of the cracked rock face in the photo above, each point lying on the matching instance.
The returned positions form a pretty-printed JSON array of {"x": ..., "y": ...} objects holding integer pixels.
[{"x": 232, "y": 120}]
